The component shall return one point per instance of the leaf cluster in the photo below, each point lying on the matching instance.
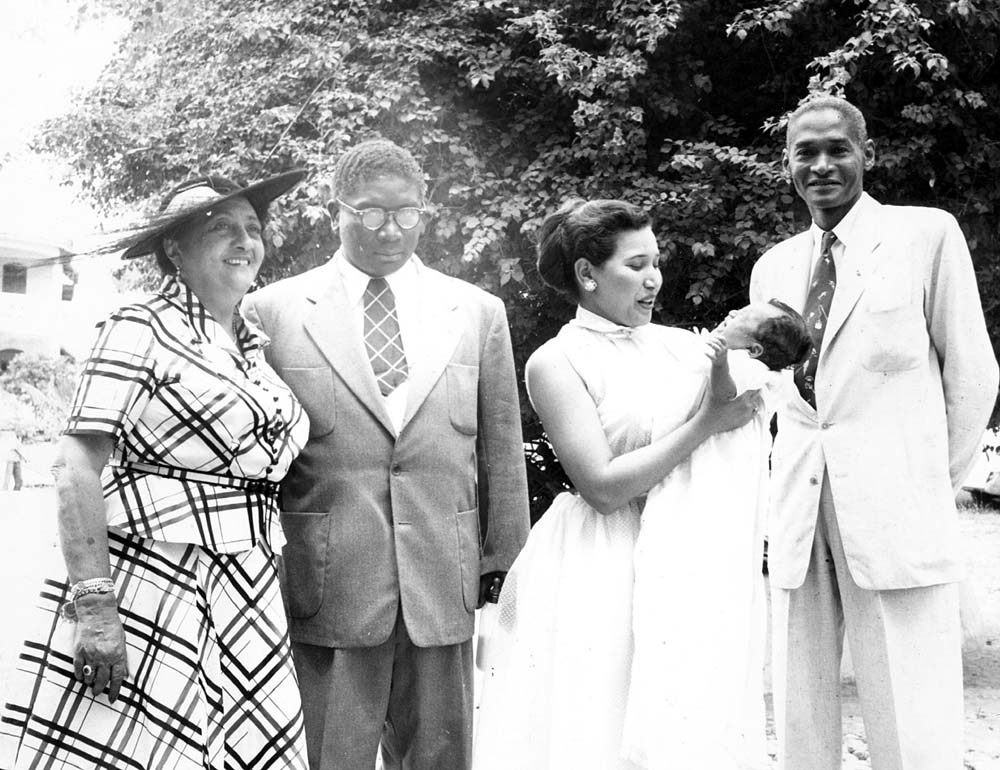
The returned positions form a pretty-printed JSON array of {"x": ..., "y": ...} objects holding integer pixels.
[{"x": 35, "y": 395}]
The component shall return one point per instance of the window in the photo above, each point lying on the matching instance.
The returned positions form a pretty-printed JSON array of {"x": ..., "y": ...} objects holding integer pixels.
[
  {"x": 6, "y": 356},
  {"x": 15, "y": 279}
]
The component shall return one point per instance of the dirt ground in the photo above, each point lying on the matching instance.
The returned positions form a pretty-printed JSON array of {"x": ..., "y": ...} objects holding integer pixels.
[{"x": 27, "y": 522}]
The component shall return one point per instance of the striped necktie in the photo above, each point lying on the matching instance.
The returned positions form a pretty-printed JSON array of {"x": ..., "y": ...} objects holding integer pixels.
[
  {"x": 382, "y": 337},
  {"x": 816, "y": 313}
]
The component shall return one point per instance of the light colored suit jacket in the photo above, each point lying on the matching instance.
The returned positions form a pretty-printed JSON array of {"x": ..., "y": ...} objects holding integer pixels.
[
  {"x": 373, "y": 518},
  {"x": 905, "y": 385}
]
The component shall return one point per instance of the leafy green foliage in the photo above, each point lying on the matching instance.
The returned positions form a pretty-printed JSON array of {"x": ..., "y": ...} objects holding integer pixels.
[
  {"x": 35, "y": 395},
  {"x": 514, "y": 105}
]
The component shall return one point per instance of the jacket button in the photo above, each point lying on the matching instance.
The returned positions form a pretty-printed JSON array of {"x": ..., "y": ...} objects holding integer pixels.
[
  {"x": 396, "y": 470},
  {"x": 813, "y": 480},
  {"x": 824, "y": 426}
]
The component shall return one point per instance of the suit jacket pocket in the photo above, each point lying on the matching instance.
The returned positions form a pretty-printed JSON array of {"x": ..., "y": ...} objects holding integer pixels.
[
  {"x": 463, "y": 397},
  {"x": 468, "y": 555},
  {"x": 892, "y": 330},
  {"x": 313, "y": 386},
  {"x": 893, "y": 340},
  {"x": 889, "y": 290},
  {"x": 303, "y": 561}
]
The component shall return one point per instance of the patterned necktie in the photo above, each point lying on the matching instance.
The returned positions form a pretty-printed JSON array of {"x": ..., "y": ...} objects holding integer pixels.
[
  {"x": 816, "y": 313},
  {"x": 382, "y": 338}
]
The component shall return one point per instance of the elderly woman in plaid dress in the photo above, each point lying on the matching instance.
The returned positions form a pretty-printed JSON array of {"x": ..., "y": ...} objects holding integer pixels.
[{"x": 166, "y": 646}]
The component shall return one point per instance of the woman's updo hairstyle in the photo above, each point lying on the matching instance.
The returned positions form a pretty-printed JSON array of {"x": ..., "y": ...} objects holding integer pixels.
[{"x": 583, "y": 230}]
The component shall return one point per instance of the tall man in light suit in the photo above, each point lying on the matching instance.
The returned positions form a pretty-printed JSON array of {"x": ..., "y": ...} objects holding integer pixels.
[
  {"x": 410, "y": 495},
  {"x": 871, "y": 447}
]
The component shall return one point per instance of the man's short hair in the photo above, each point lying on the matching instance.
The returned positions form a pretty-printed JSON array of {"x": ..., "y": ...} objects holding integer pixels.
[
  {"x": 374, "y": 158},
  {"x": 856, "y": 125},
  {"x": 785, "y": 338}
]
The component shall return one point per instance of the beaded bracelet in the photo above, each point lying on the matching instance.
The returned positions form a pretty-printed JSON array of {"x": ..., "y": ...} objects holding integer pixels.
[{"x": 91, "y": 586}]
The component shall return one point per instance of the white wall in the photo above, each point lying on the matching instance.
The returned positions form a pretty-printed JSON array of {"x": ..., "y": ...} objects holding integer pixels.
[{"x": 40, "y": 321}]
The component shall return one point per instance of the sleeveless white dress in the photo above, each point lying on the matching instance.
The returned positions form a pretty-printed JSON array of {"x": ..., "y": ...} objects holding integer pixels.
[
  {"x": 700, "y": 609},
  {"x": 556, "y": 696}
]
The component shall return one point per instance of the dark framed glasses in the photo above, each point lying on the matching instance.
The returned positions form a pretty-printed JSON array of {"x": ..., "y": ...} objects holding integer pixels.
[{"x": 405, "y": 218}]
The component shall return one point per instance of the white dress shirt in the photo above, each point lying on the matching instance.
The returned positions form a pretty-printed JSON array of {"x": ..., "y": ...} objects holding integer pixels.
[{"x": 845, "y": 230}]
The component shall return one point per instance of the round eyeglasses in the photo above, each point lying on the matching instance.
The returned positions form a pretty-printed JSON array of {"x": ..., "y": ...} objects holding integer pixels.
[{"x": 375, "y": 218}]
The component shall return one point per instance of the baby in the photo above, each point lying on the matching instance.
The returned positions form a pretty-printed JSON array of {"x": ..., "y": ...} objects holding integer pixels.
[
  {"x": 770, "y": 332},
  {"x": 699, "y": 604}
]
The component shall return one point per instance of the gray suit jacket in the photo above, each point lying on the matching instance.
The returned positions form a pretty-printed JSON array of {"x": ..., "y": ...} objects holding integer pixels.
[
  {"x": 374, "y": 519},
  {"x": 905, "y": 385}
]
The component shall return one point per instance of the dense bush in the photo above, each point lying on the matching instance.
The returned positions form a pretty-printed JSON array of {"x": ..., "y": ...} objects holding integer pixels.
[
  {"x": 514, "y": 105},
  {"x": 35, "y": 395}
]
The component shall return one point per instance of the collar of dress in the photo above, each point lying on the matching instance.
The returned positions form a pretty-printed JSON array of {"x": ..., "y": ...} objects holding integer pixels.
[
  {"x": 586, "y": 319},
  {"x": 204, "y": 327}
]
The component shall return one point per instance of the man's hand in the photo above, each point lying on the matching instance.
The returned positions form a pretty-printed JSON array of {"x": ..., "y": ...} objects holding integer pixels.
[
  {"x": 99, "y": 645},
  {"x": 485, "y": 583}
]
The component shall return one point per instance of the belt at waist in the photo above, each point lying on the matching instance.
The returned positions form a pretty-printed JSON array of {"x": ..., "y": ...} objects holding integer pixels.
[{"x": 200, "y": 477}]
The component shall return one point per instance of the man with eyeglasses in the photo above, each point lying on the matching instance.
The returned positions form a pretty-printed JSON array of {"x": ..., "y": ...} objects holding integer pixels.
[{"x": 410, "y": 497}]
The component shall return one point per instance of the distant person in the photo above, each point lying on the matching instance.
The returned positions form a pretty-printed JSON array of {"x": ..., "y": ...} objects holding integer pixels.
[
  {"x": 176, "y": 651},
  {"x": 10, "y": 451},
  {"x": 410, "y": 497},
  {"x": 696, "y": 695},
  {"x": 872, "y": 445},
  {"x": 563, "y": 647}
]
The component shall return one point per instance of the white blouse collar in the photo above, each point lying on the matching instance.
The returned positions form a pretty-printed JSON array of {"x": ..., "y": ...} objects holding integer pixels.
[{"x": 587, "y": 319}]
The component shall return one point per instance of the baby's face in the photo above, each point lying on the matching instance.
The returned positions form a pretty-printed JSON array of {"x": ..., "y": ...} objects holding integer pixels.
[{"x": 740, "y": 327}]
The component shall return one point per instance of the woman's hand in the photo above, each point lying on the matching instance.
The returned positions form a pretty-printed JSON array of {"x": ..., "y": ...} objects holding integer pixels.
[
  {"x": 99, "y": 645},
  {"x": 718, "y": 415}
]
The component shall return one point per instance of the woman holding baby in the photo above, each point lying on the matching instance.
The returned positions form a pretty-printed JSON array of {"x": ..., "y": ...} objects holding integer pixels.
[{"x": 627, "y": 406}]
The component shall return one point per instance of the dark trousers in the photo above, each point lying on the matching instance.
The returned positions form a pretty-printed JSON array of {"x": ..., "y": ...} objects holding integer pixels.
[{"x": 416, "y": 701}]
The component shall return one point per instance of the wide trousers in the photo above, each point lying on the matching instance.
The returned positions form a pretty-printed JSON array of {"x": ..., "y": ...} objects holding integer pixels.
[
  {"x": 415, "y": 701},
  {"x": 906, "y": 649}
]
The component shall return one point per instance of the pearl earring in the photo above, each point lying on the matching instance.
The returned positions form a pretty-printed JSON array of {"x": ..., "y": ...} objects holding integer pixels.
[{"x": 590, "y": 285}]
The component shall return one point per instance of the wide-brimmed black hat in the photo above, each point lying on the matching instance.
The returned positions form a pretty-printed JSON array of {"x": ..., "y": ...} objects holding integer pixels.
[{"x": 199, "y": 195}]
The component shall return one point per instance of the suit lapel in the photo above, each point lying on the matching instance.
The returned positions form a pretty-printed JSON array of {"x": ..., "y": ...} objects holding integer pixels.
[
  {"x": 857, "y": 266},
  {"x": 791, "y": 286},
  {"x": 439, "y": 332},
  {"x": 800, "y": 273},
  {"x": 793, "y": 281},
  {"x": 798, "y": 276},
  {"x": 332, "y": 325}
]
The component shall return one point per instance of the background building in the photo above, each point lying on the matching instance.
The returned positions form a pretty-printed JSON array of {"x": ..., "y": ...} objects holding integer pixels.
[{"x": 49, "y": 300}]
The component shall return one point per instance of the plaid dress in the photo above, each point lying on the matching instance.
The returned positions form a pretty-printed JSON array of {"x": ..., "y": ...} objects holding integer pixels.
[{"x": 203, "y": 431}]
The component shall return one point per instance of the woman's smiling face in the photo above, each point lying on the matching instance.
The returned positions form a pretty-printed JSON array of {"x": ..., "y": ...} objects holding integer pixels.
[
  {"x": 628, "y": 282},
  {"x": 221, "y": 251}
]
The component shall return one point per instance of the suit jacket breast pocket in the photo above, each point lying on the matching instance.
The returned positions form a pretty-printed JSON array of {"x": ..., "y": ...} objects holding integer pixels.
[
  {"x": 463, "y": 397},
  {"x": 893, "y": 330},
  {"x": 313, "y": 386}
]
